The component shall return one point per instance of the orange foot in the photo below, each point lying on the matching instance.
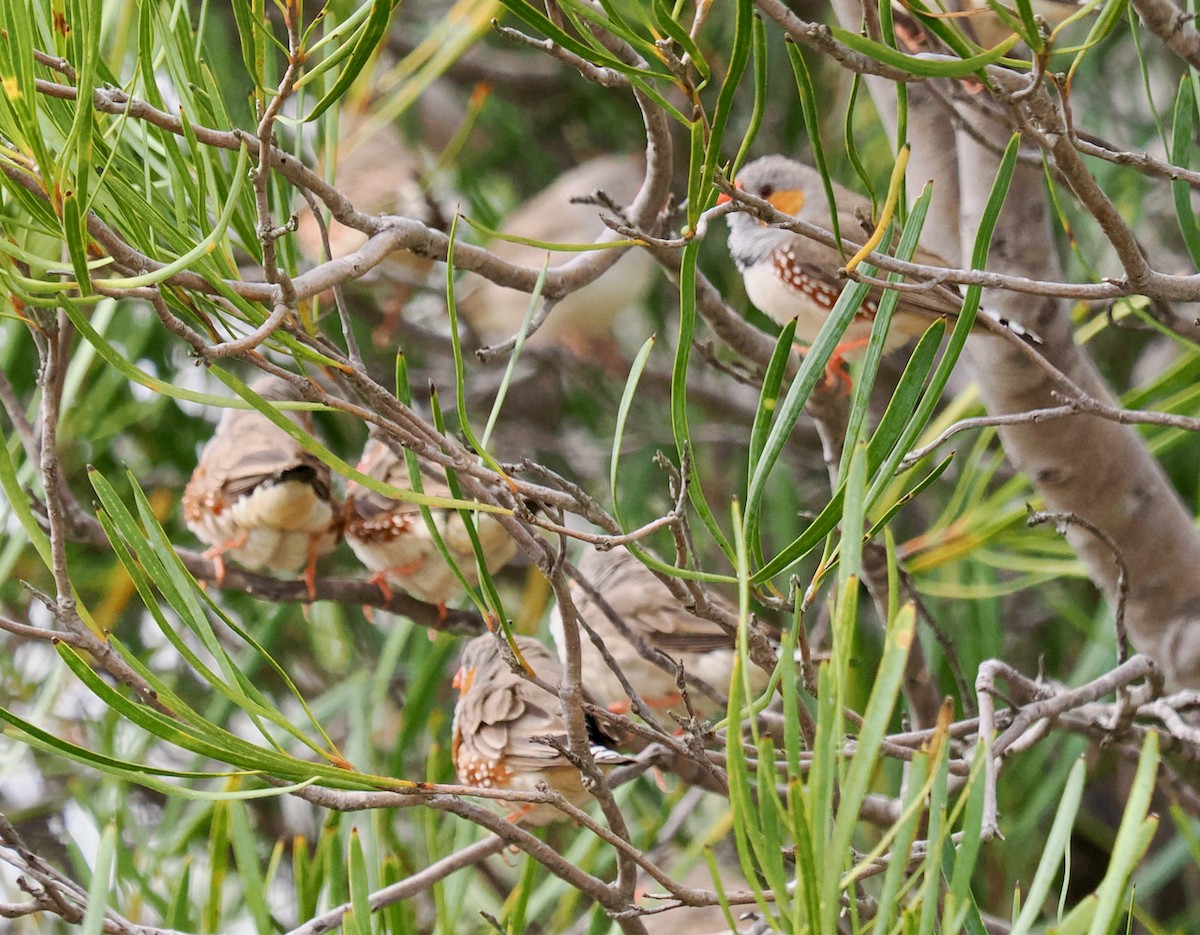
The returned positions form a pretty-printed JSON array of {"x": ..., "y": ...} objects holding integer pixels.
[
  {"x": 216, "y": 555},
  {"x": 836, "y": 369},
  {"x": 310, "y": 568},
  {"x": 379, "y": 579}
]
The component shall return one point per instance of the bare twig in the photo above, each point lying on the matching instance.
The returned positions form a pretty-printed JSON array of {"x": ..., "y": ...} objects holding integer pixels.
[{"x": 1062, "y": 520}]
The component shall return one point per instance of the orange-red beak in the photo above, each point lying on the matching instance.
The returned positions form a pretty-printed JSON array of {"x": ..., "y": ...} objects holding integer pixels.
[
  {"x": 463, "y": 679},
  {"x": 724, "y": 198}
]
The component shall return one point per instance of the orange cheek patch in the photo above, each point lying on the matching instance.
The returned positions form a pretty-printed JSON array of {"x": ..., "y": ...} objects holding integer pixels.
[{"x": 789, "y": 201}]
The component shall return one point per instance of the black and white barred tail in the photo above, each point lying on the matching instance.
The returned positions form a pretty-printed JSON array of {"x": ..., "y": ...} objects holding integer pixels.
[{"x": 1010, "y": 326}]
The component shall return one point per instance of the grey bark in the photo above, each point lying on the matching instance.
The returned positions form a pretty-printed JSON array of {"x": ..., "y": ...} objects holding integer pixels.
[{"x": 1092, "y": 467}]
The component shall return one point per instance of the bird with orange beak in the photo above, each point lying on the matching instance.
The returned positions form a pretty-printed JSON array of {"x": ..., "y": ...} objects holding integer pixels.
[{"x": 791, "y": 276}]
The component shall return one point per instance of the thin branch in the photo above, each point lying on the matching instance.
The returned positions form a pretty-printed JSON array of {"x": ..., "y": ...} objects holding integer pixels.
[
  {"x": 1062, "y": 520},
  {"x": 408, "y": 887},
  {"x": 1173, "y": 26}
]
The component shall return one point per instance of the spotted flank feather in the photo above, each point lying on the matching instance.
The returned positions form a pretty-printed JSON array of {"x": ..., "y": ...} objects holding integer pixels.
[
  {"x": 502, "y": 721},
  {"x": 789, "y": 276}
]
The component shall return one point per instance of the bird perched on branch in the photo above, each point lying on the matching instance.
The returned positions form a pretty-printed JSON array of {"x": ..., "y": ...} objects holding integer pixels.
[
  {"x": 258, "y": 496},
  {"x": 379, "y": 173},
  {"x": 499, "y": 714},
  {"x": 658, "y": 626},
  {"x": 582, "y": 322},
  {"x": 990, "y": 29},
  {"x": 789, "y": 275},
  {"x": 392, "y": 539}
]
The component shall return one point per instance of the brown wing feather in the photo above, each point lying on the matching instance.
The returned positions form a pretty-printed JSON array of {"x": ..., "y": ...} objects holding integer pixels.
[{"x": 646, "y": 604}]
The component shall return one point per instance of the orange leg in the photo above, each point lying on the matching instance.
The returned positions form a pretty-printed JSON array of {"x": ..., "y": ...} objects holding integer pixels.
[
  {"x": 216, "y": 555},
  {"x": 310, "y": 568},
  {"x": 835, "y": 369},
  {"x": 379, "y": 579}
]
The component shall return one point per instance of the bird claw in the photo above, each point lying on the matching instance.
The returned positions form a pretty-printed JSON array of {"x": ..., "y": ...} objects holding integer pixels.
[
  {"x": 836, "y": 369},
  {"x": 379, "y": 579},
  {"x": 216, "y": 555}
]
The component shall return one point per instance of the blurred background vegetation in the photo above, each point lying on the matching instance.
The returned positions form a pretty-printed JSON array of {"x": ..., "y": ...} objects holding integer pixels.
[{"x": 479, "y": 124}]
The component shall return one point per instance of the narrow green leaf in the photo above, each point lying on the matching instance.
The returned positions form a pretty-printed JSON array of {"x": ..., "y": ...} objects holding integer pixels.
[
  {"x": 865, "y": 381},
  {"x": 100, "y": 887},
  {"x": 916, "y": 65},
  {"x": 245, "y": 853},
  {"x": 531, "y": 16},
  {"x": 510, "y": 368},
  {"x": 679, "y": 370},
  {"x": 768, "y": 398},
  {"x": 74, "y": 229},
  {"x": 179, "y": 914},
  {"x": 200, "y": 250},
  {"x": 665, "y": 20},
  {"x": 822, "y": 771},
  {"x": 808, "y": 854},
  {"x": 1133, "y": 837},
  {"x": 937, "y": 833},
  {"x": 809, "y": 108},
  {"x": 936, "y": 24},
  {"x": 959, "y": 861},
  {"x": 789, "y": 688},
  {"x": 760, "y": 95},
  {"x": 1029, "y": 32},
  {"x": 627, "y": 397},
  {"x": 218, "y": 865},
  {"x": 19, "y": 504},
  {"x": 902, "y": 501},
  {"x": 962, "y": 324},
  {"x": 365, "y": 46},
  {"x": 516, "y": 917},
  {"x": 908, "y": 391},
  {"x": 811, "y": 370},
  {"x": 1054, "y": 851},
  {"x": 890, "y": 676},
  {"x": 1181, "y": 150},
  {"x": 700, "y": 193},
  {"x": 773, "y": 819},
  {"x": 360, "y": 889},
  {"x": 904, "y": 833},
  {"x": 853, "y": 517}
]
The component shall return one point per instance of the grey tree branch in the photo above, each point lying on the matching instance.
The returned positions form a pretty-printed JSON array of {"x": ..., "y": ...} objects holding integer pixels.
[
  {"x": 408, "y": 887},
  {"x": 1173, "y": 26}
]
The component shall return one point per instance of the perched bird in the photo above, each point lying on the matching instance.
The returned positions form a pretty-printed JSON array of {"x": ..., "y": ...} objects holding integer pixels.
[
  {"x": 583, "y": 321},
  {"x": 655, "y": 619},
  {"x": 991, "y": 30},
  {"x": 260, "y": 498},
  {"x": 391, "y": 538},
  {"x": 497, "y": 717},
  {"x": 788, "y": 275},
  {"x": 380, "y": 173},
  {"x": 977, "y": 19}
]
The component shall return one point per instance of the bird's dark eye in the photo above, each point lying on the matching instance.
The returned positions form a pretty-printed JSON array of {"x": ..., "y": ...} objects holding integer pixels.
[{"x": 766, "y": 191}]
